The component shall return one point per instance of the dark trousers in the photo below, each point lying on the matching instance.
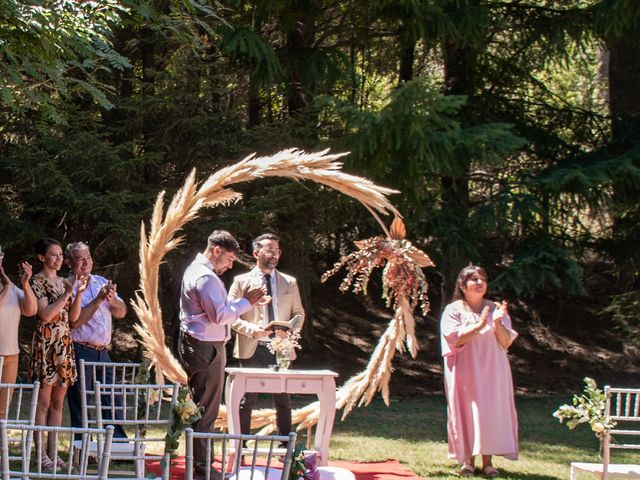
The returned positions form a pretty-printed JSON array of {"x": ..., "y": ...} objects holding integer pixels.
[
  {"x": 204, "y": 363},
  {"x": 89, "y": 354},
  {"x": 263, "y": 358}
]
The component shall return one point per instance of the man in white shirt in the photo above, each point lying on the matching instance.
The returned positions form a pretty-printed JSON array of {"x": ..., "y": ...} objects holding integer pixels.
[
  {"x": 205, "y": 325},
  {"x": 251, "y": 339},
  {"x": 91, "y": 332}
]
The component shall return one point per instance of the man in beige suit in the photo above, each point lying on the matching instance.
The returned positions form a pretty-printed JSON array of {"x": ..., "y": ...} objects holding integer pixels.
[{"x": 251, "y": 338}]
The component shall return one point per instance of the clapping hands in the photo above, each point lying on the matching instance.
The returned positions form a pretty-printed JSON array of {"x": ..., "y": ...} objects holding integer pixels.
[
  {"x": 108, "y": 291},
  {"x": 80, "y": 281},
  {"x": 27, "y": 271},
  {"x": 264, "y": 300},
  {"x": 255, "y": 295},
  {"x": 112, "y": 290},
  {"x": 501, "y": 311},
  {"x": 83, "y": 282}
]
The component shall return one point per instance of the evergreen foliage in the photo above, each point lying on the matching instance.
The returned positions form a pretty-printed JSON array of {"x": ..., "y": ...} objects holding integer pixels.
[
  {"x": 624, "y": 313},
  {"x": 511, "y": 128},
  {"x": 56, "y": 49}
]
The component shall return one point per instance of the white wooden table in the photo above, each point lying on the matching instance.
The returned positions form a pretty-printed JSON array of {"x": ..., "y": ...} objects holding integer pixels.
[{"x": 264, "y": 380}]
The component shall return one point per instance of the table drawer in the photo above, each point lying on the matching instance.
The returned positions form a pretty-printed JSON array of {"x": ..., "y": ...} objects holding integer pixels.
[
  {"x": 302, "y": 385},
  {"x": 264, "y": 385}
]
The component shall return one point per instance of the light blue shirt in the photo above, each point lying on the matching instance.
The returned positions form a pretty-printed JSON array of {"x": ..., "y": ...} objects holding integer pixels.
[
  {"x": 205, "y": 311},
  {"x": 97, "y": 330}
]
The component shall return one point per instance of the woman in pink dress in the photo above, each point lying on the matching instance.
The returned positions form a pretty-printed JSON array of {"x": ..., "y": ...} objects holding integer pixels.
[{"x": 481, "y": 412}]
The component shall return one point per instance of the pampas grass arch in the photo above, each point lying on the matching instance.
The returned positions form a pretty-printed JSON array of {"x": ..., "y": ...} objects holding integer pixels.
[{"x": 320, "y": 167}]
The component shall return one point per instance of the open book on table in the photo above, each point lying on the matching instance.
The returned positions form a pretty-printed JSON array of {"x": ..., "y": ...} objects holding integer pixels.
[{"x": 294, "y": 324}]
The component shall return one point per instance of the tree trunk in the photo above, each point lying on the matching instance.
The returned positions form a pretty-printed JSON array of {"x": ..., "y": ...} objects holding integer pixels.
[
  {"x": 300, "y": 34},
  {"x": 253, "y": 104},
  {"x": 122, "y": 81},
  {"x": 253, "y": 107},
  {"x": 459, "y": 70},
  {"x": 624, "y": 106},
  {"x": 407, "y": 55}
]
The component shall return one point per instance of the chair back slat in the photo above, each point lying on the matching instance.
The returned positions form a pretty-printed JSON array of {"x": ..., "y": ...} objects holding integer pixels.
[
  {"x": 21, "y": 465},
  {"x": 157, "y": 402},
  {"x": 140, "y": 406},
  {"x": 230, "y": 450},
  {"x": 104, "y": 372},
  {"x": 625, "y": 402},
  {"x": 20, "y": 402},
  {"x": 622, "y": 406},
  {"x": 622, "y": 409}
]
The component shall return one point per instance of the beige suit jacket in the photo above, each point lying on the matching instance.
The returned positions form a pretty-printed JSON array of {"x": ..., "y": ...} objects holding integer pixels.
[{"x": 288, "y": 304}]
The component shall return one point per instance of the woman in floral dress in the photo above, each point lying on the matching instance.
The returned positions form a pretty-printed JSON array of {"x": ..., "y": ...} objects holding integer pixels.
[{"x": 53, "y": 361}]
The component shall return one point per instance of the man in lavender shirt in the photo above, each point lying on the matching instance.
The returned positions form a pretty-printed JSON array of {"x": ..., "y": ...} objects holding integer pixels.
[
  {"x": 206, "y": 316},
  {"x": 91, "y": 333}
]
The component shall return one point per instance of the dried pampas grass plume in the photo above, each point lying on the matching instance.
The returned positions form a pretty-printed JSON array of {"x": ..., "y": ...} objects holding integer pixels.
[{"x": 322, "y": 168}]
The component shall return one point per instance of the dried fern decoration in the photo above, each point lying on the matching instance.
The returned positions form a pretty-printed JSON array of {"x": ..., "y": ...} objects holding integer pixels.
[
  {"x": 320, "y": 167},
  {"x": 404, "y": 284}
]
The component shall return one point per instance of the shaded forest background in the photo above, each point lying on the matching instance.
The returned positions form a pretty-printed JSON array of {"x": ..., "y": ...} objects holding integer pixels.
[{"x": 511, "y": 129}]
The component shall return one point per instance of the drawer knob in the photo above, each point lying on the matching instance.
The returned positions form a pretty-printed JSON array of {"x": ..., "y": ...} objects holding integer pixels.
[
  {"x": 304, "y": 384},
  {"x": 262, "y": 383}
]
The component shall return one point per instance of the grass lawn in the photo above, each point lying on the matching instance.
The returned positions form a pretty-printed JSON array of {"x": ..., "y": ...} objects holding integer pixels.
[{"x": 413, "y": 431}]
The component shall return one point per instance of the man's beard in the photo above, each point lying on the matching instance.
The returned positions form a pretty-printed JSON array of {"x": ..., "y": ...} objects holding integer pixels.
[{"x": 268, "y": 265}]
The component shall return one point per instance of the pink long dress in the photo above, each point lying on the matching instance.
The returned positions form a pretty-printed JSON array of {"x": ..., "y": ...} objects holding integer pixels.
[{"x": 481, "y": 412}]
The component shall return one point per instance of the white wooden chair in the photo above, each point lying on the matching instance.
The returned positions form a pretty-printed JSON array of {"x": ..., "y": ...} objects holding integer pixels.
[
  {"x": 143, "y": 407},
  {"x": 28, "y": 465},
  {"x": 112, "y": 373},
  {"x": 622, "y": 406},
  {"x": 224, "y": 447},
  {"x": 20, "y": 402}
]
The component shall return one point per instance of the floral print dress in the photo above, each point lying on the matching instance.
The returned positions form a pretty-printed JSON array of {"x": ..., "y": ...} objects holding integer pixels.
[{"x": 53, "y": 360}]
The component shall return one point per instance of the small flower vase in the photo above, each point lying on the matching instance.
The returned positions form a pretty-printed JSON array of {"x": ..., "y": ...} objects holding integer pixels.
[{"x": 283, "y": 359}]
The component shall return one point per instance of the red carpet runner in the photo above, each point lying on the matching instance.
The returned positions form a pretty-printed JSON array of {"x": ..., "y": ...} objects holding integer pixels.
[{"x": 388, "y": 470}]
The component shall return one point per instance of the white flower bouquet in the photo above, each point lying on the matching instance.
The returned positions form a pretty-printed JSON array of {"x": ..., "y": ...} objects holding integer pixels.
[{"x": 283, "y": 348}]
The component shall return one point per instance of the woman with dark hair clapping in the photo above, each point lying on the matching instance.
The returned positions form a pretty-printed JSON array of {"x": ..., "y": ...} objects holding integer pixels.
[
  {"x": 14, "y": 302},
  {"x": 53, "y": 360},
  {"x": 481, "y": 413}
]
